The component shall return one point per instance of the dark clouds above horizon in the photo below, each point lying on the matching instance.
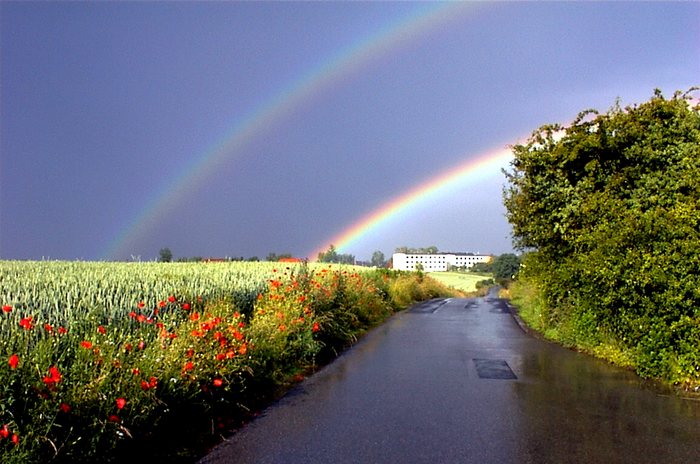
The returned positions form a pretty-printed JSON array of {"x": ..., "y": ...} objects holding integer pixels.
[{"x": 104, "y": 105}]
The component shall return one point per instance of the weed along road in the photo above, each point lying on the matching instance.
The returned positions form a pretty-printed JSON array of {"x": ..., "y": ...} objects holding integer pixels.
[{"x": 458, "y": 381}]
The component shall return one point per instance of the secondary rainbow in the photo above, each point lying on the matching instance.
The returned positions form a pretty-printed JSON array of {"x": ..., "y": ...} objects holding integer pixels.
[
  {"x": 475, "y": 169},
  {"x": 404, "y": 30}
]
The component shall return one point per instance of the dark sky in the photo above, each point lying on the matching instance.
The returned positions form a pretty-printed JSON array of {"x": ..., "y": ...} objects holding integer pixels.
[{"x": 119, "y": 120}]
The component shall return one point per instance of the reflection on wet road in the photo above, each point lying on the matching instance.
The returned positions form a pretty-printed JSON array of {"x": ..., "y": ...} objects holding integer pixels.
[{"x": 458, "y": 381}]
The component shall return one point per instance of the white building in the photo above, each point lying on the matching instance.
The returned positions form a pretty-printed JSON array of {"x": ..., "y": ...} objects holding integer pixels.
[{"x": 436, "y": 262}]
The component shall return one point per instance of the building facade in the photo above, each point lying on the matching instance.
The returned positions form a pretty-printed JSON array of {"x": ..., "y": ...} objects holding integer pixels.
[{"x": 436, "y": 262}]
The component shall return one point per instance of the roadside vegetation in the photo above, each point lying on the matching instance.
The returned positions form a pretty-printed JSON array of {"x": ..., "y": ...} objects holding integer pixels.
[
  {"x": 153, "y": 362},
  {"x": 608, "y": 209}
]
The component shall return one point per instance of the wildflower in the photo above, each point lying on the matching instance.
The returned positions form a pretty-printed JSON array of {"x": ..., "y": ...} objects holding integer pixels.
[
  {"x": 121, "y": 402},
  {"x": 14, "y": 361},
  {"x": 62, "y": 331},
  {"x": 86, "y": 344},
  {"x": 26, "y": 323},
  {"x": 48, "y": 328},
  {"x": 64, "y": 407},
  {"x": 136, "y": 371},
  {"x": 128, "y": 347},
  {"x": 4, "y": 431},
  {"x": 114, "y": 418},
  {"x": 141, "y": 318},
  {"x": 54, "y": 376},
  {"x": 142, "y": 344},
  {"x": 171, "y": 299},
  {"x": 283, "y": 328},
  {"x": 218, "y": 382},
  {"x": 220, "y": 357},
  {"x": 145, "y": 385},
  {"x": 161, "y": 304},
  {"x": 188, "y": 366},
  {"x": 194, "y": 317},
  {"x": 186, "y": 306},
  {"x": 7, "y": 308},
  {"x": 15, "y": 439},
  {"x": 141, "y": 304},
  {"x": 315, "y": 327},
  {"x": 101, "y": 330},
  {"x": 132, "y": 314},
  {"x": 242, "y": 349}
]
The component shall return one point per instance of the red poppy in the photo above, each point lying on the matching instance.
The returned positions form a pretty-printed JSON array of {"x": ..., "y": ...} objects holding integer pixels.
[
  {"x": 62, "y": 331},
  {"x": 188, "y": 366},
  {"x": 48, "y": 328},
  {"x": 161, "y": 304},
  {"x": 142, "y": 344},
  {"x": 141, "y": 304},
  {"x": 171, "y": 299},
  {"x": 86, "y": 344},
  {"x": 65, "y": 407},
  {"x": 153, "y": 382},
  {"x": 114, "y": 418},
  {"x": 54, "y": 376},
  {"x": 4, "y": 431},
  {"x": 141, "y": 318},
  {"x": 283, "y": 328},
  {"x": 220, "y": 357},
  {"x": 243, "y": 349},
  {"x": 315, "y": 327},
  {"x": 144, "y": 385},
  {"x": 14, "y": 361},
  {"x": 128, "y": 347},
  {"x": 121, "y": 402},
  {"x": 136, "y": 371},
  {"x": 194, "y": 317},
  {"x": 7, "y": 308},
  {"x": 186, "y": 306},
  {"x": 218, "y": 382},
  {"x": 101, "y": 330},
  {"x": 190, "y": 353},
  {"x": 15, "y": 439},
  {"x": 26, "y": 323},
  {"x": 132, "y": 314}
]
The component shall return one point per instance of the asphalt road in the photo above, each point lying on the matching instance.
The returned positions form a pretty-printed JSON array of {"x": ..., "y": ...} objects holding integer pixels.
[{"x": 458, "y": 381}]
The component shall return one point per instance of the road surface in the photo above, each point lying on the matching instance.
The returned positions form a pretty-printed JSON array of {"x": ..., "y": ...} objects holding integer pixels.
[{"x": 458, "y": 381}]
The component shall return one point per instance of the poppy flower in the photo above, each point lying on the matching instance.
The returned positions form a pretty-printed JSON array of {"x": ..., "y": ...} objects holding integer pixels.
[
  {"x": 86, "y": 344},
  {"x": 218, "y": 382},
  {"x": 136, "y": 371},
  {"x": 186, "y": 306},
  {"x": 65, "y": 408},
  {"x": 141, "y": 304},
  {"x": 15, "y": 439},
  {"x": 7, "y": 308},
  {"x": 101, "y": 330},
  {"x": 54, "y": 376},
  {"x": 121, "y": 402},
  {"x": 62, "y": 331},
  {"x": 188, "y": 366},
  {"x": 14, "y": 361},
  {"x": 48, "y": 328},
  {"x": 171, "y": 299},
  {"x": 114, "y": 418},
  {"x": 4, "y": 431},
  {"x": 26, "y": 323},
  {"x": 161, "y": 304},
  {"x": 315, "y": 327}
]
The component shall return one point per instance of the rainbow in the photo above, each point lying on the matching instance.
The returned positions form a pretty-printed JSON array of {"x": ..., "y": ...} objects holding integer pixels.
[
  {"x": 475, "y": 169},
  {"x": 344, "y": 63}
]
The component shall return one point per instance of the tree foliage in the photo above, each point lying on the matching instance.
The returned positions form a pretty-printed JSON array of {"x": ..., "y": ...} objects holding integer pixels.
[
  {"x": 610, "y": 207},
  {"x": 378, "y": 259},
  {"x": 332, "y": 256}
]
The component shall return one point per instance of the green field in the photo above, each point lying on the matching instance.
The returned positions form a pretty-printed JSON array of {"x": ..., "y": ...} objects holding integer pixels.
[{"x": 464, "y": 281}]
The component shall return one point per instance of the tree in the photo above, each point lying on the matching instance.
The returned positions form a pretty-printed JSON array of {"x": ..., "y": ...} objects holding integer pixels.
[
  {"x": 332, "y": 256},
  {"x": 505, "y": 266},
  {"x": 378, "y": 259},
  {"x": 610, "y": 208},
  {"x": 165, "y": 255}
]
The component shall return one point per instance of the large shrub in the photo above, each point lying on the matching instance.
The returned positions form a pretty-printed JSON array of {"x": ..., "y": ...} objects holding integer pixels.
[{"x": 610, "y": 208}]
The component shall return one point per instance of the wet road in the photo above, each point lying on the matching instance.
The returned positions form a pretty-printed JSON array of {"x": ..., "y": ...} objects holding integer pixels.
[{"x": 458, "y": 381}]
